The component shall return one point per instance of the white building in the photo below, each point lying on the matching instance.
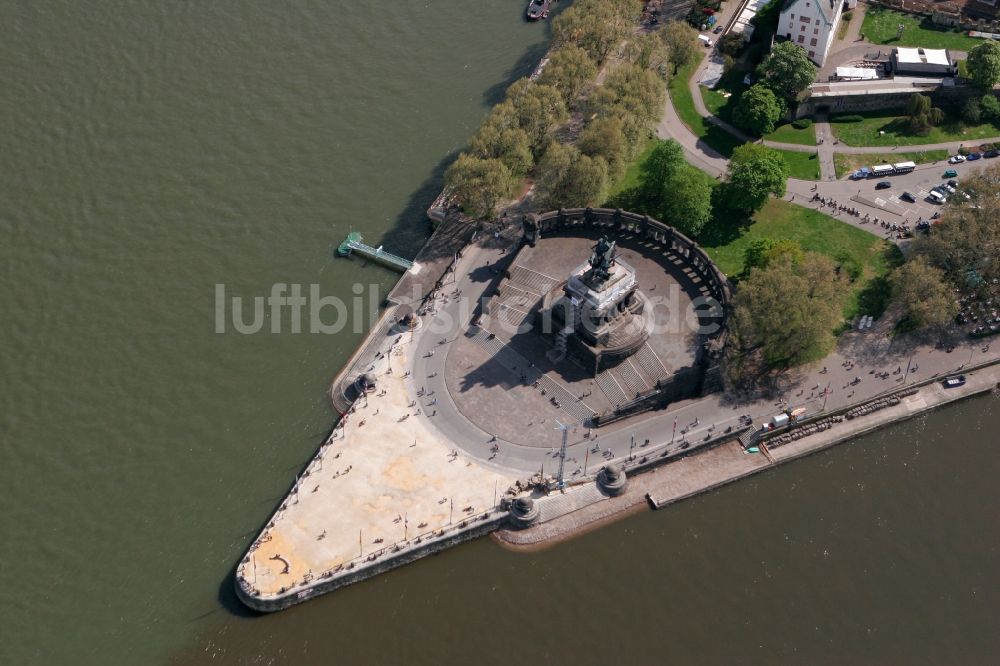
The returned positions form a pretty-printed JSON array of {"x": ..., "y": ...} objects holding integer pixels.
[{"x": 812, "y": 24}]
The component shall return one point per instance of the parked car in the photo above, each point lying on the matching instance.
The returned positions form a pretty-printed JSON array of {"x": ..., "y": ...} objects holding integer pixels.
[
  {"x": 949, "y": 188},
  {"x": 954, "y": 381},
  {"x": 883, "y": 185},
  {"x": 937, "y": 197},
  {"x": 950, "y": 173},
  {"x": 718, "y": 29},
  {"x": 906, "y": 196},
  {"x": 956, "y": 159},
  {"x": 953, "y": 183},
  {"x": 972, "y": 157},
  {"x": 991, "y": 153}
]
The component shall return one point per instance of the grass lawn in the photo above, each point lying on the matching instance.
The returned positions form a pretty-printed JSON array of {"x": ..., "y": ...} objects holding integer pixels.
[
  {"x": 801, "y": 165},
  {"x": 897, "y": 131},
  {"x": 848, "y": 163},
  {"x": 630, "y": 179},
  {"x": 721, "y": 102},
  {"x": 788, "y": 134},
  {"x": 683, "y": 102},
  {"x": 821, "y": 233},
  {"x": 880, "y": 27}
]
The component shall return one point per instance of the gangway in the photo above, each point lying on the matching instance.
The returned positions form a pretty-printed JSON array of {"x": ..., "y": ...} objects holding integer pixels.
[{"x": 353, "y": 243}]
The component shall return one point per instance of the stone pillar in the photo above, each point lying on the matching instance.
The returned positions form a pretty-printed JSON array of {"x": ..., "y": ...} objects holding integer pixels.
[
  {"x": 523, "y": 512},
  {"x": 611, "y": 479}
]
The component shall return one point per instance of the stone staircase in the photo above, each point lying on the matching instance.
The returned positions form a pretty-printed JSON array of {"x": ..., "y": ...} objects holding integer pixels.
[
  {"x": 633, "y": 381},
  {"x": 609, "y": 385},
  {"x": 560, "y": 504},
  {"x": 532, "y": 280},
  {"x": 650, "y": 363}
]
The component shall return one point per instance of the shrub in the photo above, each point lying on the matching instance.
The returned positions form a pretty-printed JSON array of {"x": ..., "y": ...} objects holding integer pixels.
[
  {"x": 990, "y": 108},
  {"x": 802, "y": 123},
  {"x": 972, "y": 112},
  {"x": 850, "y": 118}
]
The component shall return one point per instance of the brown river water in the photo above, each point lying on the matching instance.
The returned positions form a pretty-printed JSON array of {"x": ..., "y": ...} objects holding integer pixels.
[{"x": 154, "y": 150}]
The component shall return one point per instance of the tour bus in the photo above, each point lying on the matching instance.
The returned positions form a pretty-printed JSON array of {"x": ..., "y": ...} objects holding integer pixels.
[
  {"x": 903, "y": 167},
  {"x": 881, "y": 171}
]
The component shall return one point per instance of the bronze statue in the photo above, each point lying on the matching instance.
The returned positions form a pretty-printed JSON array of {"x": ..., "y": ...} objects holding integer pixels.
[{"x": 602, "y": 260}]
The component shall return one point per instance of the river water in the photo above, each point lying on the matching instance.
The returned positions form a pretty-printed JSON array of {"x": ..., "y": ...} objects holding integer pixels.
[{"x": 153, "y": 150}]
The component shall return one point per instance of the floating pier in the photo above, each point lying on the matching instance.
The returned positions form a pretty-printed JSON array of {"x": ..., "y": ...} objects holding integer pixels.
[{"x": 353, "y": 243}]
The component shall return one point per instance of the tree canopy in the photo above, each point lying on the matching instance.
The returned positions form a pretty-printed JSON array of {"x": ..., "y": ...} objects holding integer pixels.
[
  {"x": 686, "y": 201},
  {"x": 537, "y": 110},
  {"x": 755, "y": 172},
  {"x": 922, "y": 293},
  {"x": 983, "y": 64},
  {"x": 664, "y": 160},
  {"x": 596, "y": 26},
  {"x": 682, "y": 43},
  {"x": 783, "y": 314},
  {"x": 567, "y": 178},
  {"x": 480, "y": 184},
  {"x": 569, "y": 70},
  {"x": 510, "y": 145},
  {"x": 965, "y": 242},
  {"x": 787, "y": 70},
  {"x": 922, "y": 115},
  {"x": 605, "y": 137},
  {"x": 758, "y": 110}
]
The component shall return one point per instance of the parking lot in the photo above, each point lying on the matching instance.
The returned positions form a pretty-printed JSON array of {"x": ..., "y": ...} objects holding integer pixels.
[{"x": 886, "y": 204}]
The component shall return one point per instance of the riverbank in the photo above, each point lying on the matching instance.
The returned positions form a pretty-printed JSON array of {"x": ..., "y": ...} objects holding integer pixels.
[{"x": 705, "y": 471}]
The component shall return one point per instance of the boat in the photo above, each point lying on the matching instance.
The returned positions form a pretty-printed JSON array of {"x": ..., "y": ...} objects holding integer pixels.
[{"x": 537, "y": 9}]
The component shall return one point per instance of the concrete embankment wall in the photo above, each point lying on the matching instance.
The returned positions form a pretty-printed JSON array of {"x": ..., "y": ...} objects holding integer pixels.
[{"x": 366, "y": 570}]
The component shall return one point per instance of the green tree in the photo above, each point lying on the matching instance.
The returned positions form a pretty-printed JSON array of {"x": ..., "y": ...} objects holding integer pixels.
[
  {"x": 632, "y": 89},
  {"x": 731, "y": 44},
  {"x": 965, "y": 242},
  {"x": 972, "y": 112},
  {"x": 990, "y": 109},
  {"x": 664, "y": 160},
  {"x": 596, "y": 26},
  {"x": 758, "y": 110},
  {"x": 509, "y": 145},
  {"x": 787, "y": 70},
  {"x": 922, "y": 293},
  {"x": 605, "y": 137},
  {"x": 569, "y": 70},
  {"x": 922, "y": 115},
  {"x": 783, "y": 314},
  {"x": 649, "y": 52},
  {"x": 682, "y": 42},
  {"x": 686, "y": 201},
  {"x": 755, "y": 172},
  {"x": 480, "y": 184},
  {"x": 538, "y": 109},
  {"x": 566, "y": 178},
  {"x": 983, "y": 64}
]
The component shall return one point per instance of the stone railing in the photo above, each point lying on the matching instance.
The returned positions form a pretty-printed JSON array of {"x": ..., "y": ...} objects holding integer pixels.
[{"x": 632, "y": 224}]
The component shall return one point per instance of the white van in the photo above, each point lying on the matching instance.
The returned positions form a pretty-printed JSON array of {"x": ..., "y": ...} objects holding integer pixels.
[{"x": 705, "y": 40}]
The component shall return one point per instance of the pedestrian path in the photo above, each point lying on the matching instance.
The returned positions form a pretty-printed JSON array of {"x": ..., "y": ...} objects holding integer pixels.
[{"x": 520, "y": 366}]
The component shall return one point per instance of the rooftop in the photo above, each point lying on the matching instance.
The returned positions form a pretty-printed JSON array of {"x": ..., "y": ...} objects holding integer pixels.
[{"x": 923, "y": 56}]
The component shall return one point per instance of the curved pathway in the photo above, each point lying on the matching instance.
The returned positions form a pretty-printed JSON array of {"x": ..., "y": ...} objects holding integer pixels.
[{"x": 860, "y": 195}]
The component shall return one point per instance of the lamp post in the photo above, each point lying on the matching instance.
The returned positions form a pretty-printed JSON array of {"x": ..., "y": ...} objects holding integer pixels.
[{"x": 562, "y": 454}]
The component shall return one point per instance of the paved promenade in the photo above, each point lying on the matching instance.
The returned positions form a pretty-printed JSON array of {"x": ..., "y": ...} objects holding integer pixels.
[{"x": 728, "y": 462}]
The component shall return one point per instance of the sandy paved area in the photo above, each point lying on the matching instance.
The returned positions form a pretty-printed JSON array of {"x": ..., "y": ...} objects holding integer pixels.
[{"x": 381, "y": 476}]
